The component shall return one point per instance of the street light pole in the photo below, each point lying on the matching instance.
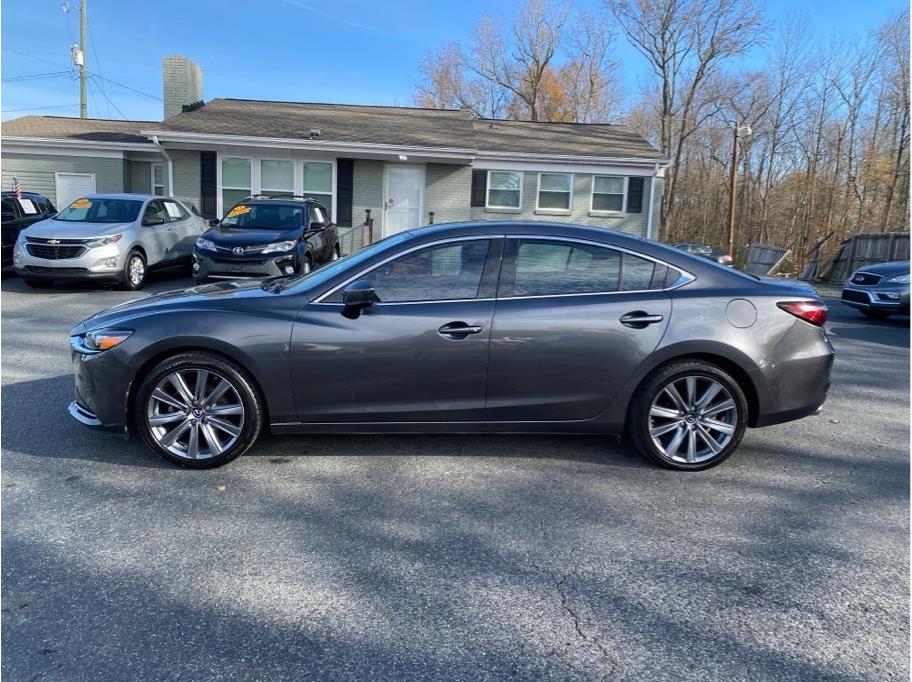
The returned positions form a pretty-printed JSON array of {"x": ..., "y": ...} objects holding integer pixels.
[{"x": 738, "y": 128}]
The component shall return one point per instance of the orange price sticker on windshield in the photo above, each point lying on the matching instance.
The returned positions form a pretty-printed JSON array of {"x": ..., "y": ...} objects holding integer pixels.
[
  {"x": 238, "y": 210},
  {"x": 81, "y": 203}
]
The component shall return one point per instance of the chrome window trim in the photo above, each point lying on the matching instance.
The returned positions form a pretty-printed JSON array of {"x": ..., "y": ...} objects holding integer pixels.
[{"x": 685, "y": 278}]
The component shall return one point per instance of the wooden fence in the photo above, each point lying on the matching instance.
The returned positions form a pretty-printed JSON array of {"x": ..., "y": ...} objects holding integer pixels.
[
  {"x": 865, "y": 249},
  {"x": 762, "y": 258}
]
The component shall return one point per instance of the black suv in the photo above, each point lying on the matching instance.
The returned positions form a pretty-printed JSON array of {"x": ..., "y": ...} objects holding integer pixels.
[
  {"x": 18, "y": 214},
  {"x": 264, "y": 236}
]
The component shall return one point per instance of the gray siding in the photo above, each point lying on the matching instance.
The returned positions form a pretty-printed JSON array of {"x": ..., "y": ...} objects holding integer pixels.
[
  {"x": 36, "y": 172},
  {"x": 367, "y": 192},
  {"x": 632, "y": 223},
  {"x": 186, "y": 175},
  {"x": 447, "y": 192}
]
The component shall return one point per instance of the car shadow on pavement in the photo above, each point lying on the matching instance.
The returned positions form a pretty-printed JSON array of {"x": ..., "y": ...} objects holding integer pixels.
[
  {"x": 172, "y": 278},
  {"x": 35, "y": 422}
]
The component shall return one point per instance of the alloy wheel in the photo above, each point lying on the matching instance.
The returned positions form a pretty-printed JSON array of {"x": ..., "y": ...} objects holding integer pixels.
[
  {"x": 692, "y": 419},
  {"x": 307, "y": 267},
  {"x": 136, "y": 270},
  {"x": 195, "y": 413}
]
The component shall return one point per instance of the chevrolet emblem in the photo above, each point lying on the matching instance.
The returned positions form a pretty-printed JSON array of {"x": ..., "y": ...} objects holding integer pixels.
[{"x": 53, "y": 241}]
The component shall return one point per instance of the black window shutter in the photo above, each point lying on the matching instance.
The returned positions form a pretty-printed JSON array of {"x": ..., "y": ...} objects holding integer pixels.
[
  {"x": 208, "y": 185},
  {"x": 479, "y": 187},
  {"x": 345, "y": 187},
  {"x": 634, "y": 195}
]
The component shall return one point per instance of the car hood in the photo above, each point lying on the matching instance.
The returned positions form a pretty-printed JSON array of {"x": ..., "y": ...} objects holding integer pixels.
[
  {"x": 64, "y": 229},
  {"x": 202, "y": 297},
  {"x": 233, "y": 236},
  {"x": 900, "y": 267}
]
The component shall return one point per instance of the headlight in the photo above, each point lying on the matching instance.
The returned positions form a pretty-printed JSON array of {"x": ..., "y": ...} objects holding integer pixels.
[
  {"x": 278, "y": 247},
  {"x": 899, "y": 279},
  {"x": 206, "y": 244},
  {"x": 105, "y": 339},
  {"x": 104, "y": 241}
]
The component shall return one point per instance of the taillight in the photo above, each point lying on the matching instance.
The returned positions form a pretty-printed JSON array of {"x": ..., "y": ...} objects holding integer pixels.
[{"x": 814, "y": 312}]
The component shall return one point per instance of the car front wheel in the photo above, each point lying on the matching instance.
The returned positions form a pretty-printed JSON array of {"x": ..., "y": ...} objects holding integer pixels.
[
  {"x": 199, "y": 410},
  {"x": 688, "y": 415},
  {"x": 134, "y": 274}
]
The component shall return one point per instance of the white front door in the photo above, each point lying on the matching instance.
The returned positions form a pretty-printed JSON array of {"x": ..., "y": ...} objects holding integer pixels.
[
  {"x": 404, "y": 197},
  {"x": 72, "y": 186}
]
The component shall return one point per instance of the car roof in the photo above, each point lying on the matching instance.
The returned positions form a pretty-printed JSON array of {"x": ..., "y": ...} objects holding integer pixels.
[
  {"x": 11, "y": 193},
  {"x": 124, "y": 195},
  {"x": 278, "y": 201}
]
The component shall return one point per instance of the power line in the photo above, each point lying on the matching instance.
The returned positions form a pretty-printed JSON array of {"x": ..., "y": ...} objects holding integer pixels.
[
  {"x": 36, "y": 76},
  {"x": 138, "y": 92},
  {"x": 59, "y": 106},
  {"x": 31, "y": 56},
  {"x": 105, "y": 95}
]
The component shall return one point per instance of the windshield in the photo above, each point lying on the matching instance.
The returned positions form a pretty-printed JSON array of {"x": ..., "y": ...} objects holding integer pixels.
[
  {"x": 101, "y": 211},
  {"x": 265, "y": 216}
]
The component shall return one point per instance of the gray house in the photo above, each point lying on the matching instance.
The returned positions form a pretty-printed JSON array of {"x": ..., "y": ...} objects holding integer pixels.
[{"x": 408, "y": 166}]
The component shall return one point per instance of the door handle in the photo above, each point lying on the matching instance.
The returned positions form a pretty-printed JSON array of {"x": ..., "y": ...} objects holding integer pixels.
[
  {"x": 639, "y": 319},
  {"x": 459, "y": 330}
]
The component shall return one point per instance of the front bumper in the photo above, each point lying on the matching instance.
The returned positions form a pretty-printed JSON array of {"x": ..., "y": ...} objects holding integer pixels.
[
  {"x": 880, "y": 298},
  {"x": 227, "y": 266},
  {"x": 102, "y": 387},
  {"x": 103, "y": 262}
]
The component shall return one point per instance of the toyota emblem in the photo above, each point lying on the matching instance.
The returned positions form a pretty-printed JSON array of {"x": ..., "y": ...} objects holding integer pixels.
[
  {"x": 859, "y": 278},
  {"x": 238, "y": 250}
]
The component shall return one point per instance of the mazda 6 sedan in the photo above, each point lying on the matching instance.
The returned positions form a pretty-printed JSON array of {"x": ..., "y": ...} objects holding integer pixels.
[{"x": 470, "y": 327}]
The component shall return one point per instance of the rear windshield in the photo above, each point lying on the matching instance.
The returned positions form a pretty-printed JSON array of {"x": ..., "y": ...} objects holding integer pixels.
[
  {"x": 101, "y": 211},
  {"x": 265, "y": 216}
]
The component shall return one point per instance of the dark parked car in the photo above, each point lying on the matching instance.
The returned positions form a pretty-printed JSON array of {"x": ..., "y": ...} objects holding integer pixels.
[
  {"x": 17, "y": 214},
  {"x": 879, "y": 290},
  {"x": 265, "y": 237},
  {"x": 705, "y": 251},
  {"x": 473, "y": 327}
]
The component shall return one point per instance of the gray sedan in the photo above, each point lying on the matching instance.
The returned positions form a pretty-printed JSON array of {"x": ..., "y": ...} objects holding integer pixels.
[
  {"x": 879, "y": 290},
  {"x": 117, "y": 237},
  {"x": 472, "y": 327}
]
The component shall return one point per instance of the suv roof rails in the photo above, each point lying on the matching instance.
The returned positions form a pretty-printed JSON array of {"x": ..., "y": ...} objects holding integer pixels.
[{"x": 279, "y": 197}]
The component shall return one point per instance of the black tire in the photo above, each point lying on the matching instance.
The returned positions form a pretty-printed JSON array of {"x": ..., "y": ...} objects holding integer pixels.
[
  {"x": 37, "y": 283},
  {"x": 128, "y": 282},
  {"x": 219, "y": 367},
  {"x": 639, "y": 419},
  {"x": 875, "y": 314}
]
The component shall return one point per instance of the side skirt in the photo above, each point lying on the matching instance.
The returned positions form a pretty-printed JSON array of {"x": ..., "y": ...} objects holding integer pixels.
[{"x": 567, "y": 427}]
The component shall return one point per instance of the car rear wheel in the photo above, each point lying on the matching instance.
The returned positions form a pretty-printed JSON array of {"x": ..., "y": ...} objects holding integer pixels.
[
  {"x": 688, "y": 415},
  {"x": 199, "y": 410},
  {"x": 134, "y": 274}
]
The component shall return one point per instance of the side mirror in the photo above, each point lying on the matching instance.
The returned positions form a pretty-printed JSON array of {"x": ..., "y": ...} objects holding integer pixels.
[
  {"x": 317, "y": 226},
  {"x": 153, "y": 220},
  {"x": 357, "y": 296},
  {"x": 213, "y": 222}
]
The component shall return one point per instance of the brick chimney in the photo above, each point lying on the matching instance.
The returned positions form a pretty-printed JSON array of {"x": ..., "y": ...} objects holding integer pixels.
[{"x": 182, "y": 84}]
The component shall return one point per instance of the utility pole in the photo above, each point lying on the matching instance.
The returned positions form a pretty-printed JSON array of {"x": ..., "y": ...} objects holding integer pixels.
[
  {"x": 738, "y": 128},
  {"x": 83, "y": 112}
]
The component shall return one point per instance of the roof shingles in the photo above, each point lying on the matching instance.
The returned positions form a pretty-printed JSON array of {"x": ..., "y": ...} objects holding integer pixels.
[{"x": 358, "y": 124}]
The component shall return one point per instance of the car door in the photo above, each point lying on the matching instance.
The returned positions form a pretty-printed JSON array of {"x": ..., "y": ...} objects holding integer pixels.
[
  {"x": 315, "y": 231},
  {"x": 159, "y": 240},
  {"x": 185, "y": 229},
  {"x": 419, "y": 354},
  {"x": 574, "y": 320}
]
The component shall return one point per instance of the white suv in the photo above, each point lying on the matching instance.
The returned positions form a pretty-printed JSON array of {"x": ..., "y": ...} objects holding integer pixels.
[{"x": 110, "y": 237}]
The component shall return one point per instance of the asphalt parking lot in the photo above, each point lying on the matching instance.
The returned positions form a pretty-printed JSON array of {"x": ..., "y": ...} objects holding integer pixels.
[{"x": 452, "y": 557}]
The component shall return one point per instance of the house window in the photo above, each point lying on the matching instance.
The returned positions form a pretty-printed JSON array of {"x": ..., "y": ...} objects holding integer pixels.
[
  {"x": 318, "y": 181},
  {"x": 158, "y": 179},
  {"x": 236, "y": 180},
  {"x": 608, "y": 193},
  {"x": 555, "y": 190},
  {"x": 277, "y": 177},
  {"x": 504, "y": 189}
]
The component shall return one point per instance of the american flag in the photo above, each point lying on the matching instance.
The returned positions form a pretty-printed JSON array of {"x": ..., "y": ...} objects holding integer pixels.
[{"x": 17, "y": 187}]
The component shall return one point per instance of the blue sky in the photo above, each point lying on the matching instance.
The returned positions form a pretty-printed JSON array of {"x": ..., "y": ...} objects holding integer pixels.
[{"x": 355, "y": 51}]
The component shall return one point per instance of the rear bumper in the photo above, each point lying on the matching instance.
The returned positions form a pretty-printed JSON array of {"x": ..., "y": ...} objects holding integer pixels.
[{"x": 796, "y": 384}]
